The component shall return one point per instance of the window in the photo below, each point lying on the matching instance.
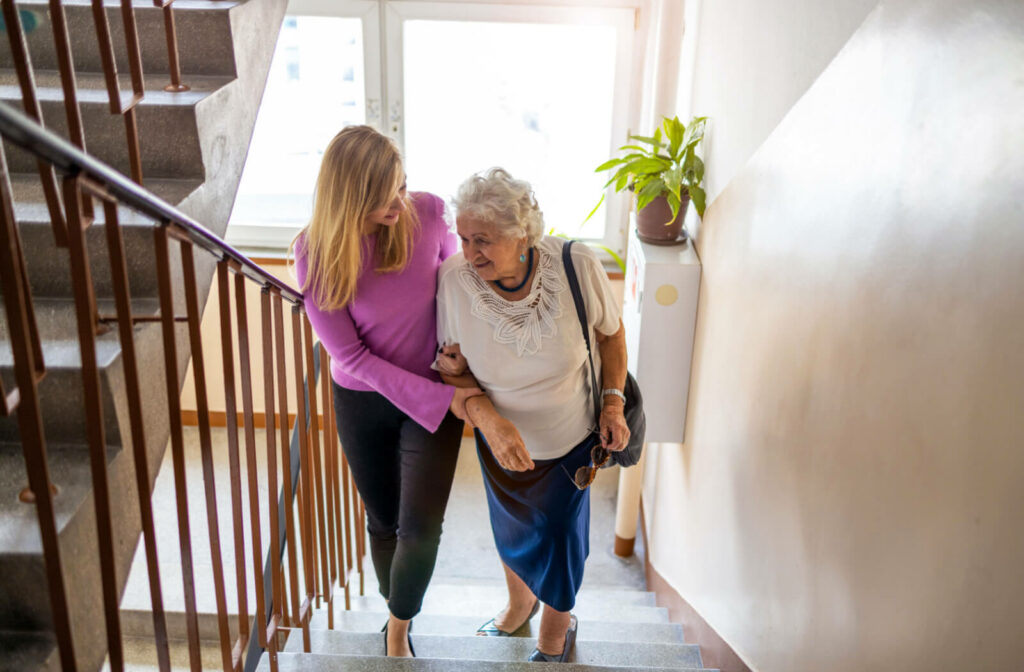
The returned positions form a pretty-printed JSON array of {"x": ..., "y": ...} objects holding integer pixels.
[{"x": 542, "y": 91}]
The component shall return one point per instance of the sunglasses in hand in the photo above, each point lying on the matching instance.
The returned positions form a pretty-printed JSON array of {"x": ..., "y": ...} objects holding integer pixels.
[{"x": 584, "y": 476}]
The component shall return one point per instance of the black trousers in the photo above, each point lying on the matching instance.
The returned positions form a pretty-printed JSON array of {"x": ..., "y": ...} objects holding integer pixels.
[{"x": 404, "y": 475}]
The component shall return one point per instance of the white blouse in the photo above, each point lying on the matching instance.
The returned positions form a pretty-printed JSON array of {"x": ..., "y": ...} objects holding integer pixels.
[{"x": 529, "y": 355}]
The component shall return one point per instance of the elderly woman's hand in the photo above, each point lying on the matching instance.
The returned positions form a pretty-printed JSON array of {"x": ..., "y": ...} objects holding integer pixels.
[
  {"x": 506, "y": 444},
  {"x": 614, "y": 430},
  {"x": 451, "y": 362}
]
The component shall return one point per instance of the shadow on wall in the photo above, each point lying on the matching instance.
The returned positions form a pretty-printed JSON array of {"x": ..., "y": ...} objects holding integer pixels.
[{"x": 845, "y": 496}]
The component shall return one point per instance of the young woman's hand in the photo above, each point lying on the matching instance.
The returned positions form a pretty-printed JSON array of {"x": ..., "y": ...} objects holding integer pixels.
[
  {"x": 458, "y": 405},
  {"x": 614, "y": 430},
  {"x": 451, "y": 362}
]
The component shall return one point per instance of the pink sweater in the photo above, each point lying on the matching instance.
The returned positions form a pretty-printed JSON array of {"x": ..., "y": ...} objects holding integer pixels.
[{"x": 385, "y": 339}]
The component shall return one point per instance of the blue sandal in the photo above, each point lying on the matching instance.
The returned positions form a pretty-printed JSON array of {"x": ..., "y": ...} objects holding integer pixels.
[
  {"x": 539, "y": 656},
  {"x": 489, "y": 629}
]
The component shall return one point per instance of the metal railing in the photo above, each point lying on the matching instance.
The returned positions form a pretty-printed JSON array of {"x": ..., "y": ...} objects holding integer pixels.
[
  {"x": 315, "y": 479},
  {"x": 122, "y": 105}
]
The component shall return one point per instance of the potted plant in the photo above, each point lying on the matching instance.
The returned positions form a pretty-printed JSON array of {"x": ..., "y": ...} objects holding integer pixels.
[{"x": 665, "y": 173}]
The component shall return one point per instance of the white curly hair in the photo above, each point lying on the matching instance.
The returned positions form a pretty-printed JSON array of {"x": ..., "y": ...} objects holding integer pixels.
[{"x": 497, "y": 198}]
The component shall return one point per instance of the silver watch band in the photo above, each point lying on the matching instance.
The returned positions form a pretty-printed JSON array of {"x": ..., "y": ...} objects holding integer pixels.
[{"x": 612, "y": 391}]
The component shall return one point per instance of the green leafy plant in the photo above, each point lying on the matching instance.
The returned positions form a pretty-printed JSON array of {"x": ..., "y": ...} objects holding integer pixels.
[{"x": 665, "y": 164}]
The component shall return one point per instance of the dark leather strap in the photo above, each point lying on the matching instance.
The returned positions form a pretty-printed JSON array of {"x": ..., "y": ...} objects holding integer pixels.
[{"x": 581, "y": 313}]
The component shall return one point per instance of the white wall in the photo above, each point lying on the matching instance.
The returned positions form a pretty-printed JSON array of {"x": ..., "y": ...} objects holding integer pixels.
[
  {"x": 746, "y": 62},
  {"x": 849, "y": 495}
]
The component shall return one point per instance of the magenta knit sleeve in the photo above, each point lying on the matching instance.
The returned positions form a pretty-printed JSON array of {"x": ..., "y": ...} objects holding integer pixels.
[{"x": 424, "y": 400}]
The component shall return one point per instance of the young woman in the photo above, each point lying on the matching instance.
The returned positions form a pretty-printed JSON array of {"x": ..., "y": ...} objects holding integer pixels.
[{"x": 367, "y": 264}]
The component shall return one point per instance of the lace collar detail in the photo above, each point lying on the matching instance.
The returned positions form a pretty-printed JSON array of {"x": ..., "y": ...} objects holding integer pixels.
[{"x": 526, "y": 322}]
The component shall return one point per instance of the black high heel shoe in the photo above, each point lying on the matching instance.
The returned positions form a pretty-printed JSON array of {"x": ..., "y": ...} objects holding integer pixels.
[
  {"x": 408, "y": 636},
  {"x": 539, "y": 656}
]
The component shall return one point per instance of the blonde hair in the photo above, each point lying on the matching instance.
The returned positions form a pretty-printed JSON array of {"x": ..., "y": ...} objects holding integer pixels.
[
  {"x": 508, "y": 204},
  {"x": 361, "y": 172}
]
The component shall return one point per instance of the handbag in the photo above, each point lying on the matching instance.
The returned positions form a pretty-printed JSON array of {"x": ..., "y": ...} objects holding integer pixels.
[{"x": 634, "y": 410}]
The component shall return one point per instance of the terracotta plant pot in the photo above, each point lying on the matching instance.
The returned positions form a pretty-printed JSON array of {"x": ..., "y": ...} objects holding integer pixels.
[{"x": 651, "y": 224}]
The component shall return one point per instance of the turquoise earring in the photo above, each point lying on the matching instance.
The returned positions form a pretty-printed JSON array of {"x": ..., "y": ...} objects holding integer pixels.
[{"x": 522, "y": 258}]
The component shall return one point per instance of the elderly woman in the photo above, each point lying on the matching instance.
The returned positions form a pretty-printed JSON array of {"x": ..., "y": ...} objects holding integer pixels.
[{"x": 506, "y": 312}]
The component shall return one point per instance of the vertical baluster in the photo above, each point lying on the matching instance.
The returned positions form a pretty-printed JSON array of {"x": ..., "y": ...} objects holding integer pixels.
[
  {"x": 125, "y": 322},
  {"x": 286, "y": 461},
  {"x": 245, "y": 365},
  {"x": 27, "y": 355},
  {"x": 85, "y": 311},
  {"x": 346, "y": 484},
  {"x": 66, "y": 66},
  {"x": 163, "y": 268},
  {"x": 117, "y": 106},
  {"x": 331, "y": 430},
  {"x": 206, "y": 448},
  {"x": 314, "y": 433},
  {"x": 23, "y": 66},
  {"x": 131, "y": 123},
  {"x": 231, "y": 421},
  {"x": 305, "y": 502},
  {"x": 361, "y": 530},
  {"x": 171, "y": 32},
  {"x": 266, "y": 322},
  {"x": 330, "y": 482}
]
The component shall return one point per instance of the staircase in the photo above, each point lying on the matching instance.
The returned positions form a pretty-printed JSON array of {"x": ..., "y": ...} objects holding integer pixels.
[
  {"x": 619, "y": 629},
  {"x": 193, "y": 147},
  {"x": 620, "y": 626}
]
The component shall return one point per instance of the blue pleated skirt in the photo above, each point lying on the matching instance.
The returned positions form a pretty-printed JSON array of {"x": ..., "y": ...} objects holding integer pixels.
[{"x": 541, "y": 522}]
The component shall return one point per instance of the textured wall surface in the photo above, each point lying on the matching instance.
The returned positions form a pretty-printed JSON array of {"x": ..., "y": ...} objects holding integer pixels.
[
  {"x": 745, "y": 62},
  {"x": 849, "y": 492}
]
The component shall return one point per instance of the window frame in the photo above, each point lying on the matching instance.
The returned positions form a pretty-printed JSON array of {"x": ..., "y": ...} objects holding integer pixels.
[{"x": 382, "y": 22}]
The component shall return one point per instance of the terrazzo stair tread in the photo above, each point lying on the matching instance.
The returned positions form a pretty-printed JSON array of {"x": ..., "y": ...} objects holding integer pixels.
[
  {"x": 92, "y": 88},
  {"x": 28, "y": 652},
  {"x": 203, "y": 26},
  {"x": 592, "y": 608},
  {"x": 61, "y": 387},
  {"x": 311, "y": 662},
  {"x": 168, "y": 130},
  {"x": 23, "y": 593},
  {"x": 30, "y": 202},
  {"x": 441, "y": 592},
  {"x": 432, "y": 624},
  {"x": 500, "y": 648},
  {"x": 48, "y": 265}
]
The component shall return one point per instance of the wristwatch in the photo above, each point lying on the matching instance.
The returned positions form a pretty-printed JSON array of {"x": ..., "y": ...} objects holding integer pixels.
[{"x": 612, "y": 391}]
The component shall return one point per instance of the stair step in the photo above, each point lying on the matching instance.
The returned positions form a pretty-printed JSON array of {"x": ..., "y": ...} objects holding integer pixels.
[
  {"x": 28, "y": 652},
  {"x": 511, "y": 649},
  {"x": 205, "y": 45},
  {"x": 442, "y": 595},
  {"x": 168, "y": 131},
  {"x": 440, "y": 624},
  {"x": 23, "y": 591},
  {"x": 591, "y": 608},
  {"x": 60, "y": 391},
  {"x": 311, "y": 662},
  {"x": 48, "y": 264}
]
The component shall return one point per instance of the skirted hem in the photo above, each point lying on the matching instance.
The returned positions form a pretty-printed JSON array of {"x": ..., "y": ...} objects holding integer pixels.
[{"x": 540, "y": 521}]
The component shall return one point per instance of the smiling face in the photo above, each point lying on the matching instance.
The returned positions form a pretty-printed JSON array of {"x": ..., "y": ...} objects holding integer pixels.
[
  {"x": 387, "y": 215},
  {"x": 493, "y": 256}
]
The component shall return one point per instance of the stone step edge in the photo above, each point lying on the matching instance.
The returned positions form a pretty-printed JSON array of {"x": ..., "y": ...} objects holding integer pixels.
[
  {"x": 139, "y": 623},
  {"x": 320, "y": 662},
  {"x": 325, "y": 640}
]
